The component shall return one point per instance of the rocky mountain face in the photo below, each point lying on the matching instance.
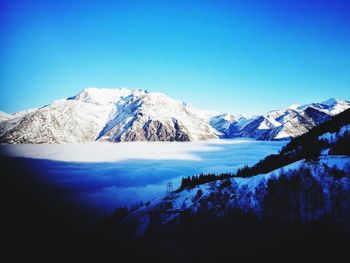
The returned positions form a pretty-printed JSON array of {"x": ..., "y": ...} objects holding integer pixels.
[{"x": 117, "y": 115}]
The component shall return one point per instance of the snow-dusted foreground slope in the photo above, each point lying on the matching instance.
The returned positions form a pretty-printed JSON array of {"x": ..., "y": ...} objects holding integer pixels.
[
  {"x": 117, "y": 115},
  {"x": 311, "y": 175},
  {"x": 240, "y": 193}
]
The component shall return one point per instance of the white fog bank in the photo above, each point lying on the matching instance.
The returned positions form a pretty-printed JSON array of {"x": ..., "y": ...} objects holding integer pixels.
[{"x": 114, "y": 152}]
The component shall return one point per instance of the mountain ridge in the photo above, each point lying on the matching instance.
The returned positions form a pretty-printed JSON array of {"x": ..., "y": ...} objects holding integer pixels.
[{"x": 117, "y": 115}]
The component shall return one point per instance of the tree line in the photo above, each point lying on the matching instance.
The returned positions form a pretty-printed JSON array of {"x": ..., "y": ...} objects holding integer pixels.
[{"x": 192, "y": 181}]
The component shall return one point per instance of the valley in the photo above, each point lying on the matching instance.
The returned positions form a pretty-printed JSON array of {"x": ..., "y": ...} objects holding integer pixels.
[{"x": 104, "y": 176}]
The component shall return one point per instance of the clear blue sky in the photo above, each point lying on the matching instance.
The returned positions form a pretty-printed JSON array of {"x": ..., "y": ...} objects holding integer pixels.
[{"x": 228, "y": 56}]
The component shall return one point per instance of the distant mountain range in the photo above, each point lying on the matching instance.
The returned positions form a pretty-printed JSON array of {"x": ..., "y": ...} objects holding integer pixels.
[
  {"x": 117, "y": 115},
  {"x": 291, "y": 121}
]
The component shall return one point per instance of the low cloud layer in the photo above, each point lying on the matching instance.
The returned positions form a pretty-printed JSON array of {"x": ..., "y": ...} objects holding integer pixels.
[{"x": 104, "y": 176}]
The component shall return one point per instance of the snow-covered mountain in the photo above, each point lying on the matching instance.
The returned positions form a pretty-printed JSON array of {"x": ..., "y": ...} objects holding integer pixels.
[
  {"x": 116, "y": 115},
  {"x": 290, "y": 122},
  {"x": 109, "y": 115},
  {"x": 228, "y": 124},
  {"x": 142, "y": 116}
]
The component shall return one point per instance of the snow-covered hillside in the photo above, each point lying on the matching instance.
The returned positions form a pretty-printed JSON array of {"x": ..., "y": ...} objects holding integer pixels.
[
  {"x": 5, "y": 116},
  {"x": 116, "y": 115},
  {"x": 109, "y": 115},
  {"x": 228, "y": 124},
  {"x": 238, "y": 192},
  {"x": 143, "y": 116},
  {"x": 60, "y": 122},
  {"x": 291, "y": 121},
  {"x": 317, "y": 163}
]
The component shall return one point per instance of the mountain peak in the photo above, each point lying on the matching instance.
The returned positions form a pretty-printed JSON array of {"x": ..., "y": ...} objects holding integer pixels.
[
  {"x": 333, "y": 101},
  {"x": 293, "y": 106},
  {"x": 101, "y": 96}
]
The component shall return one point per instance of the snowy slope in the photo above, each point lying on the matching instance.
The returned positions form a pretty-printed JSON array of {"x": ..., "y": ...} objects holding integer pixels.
[
  {"x": 228, "y": 124},
  {"x": 147, "y": 116},
  {"x": 239, "y": 192},
  {"x": 331, "y": 136},
  {"x": 292, "y": 121},
  {"x": 60, "y": 122},
  {"x": 5, "y": 116},
  {"x": 109, "y": 115}
]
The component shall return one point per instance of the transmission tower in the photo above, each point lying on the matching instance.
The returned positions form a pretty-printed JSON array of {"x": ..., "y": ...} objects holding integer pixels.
[{"x": 169, "y": 187}]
